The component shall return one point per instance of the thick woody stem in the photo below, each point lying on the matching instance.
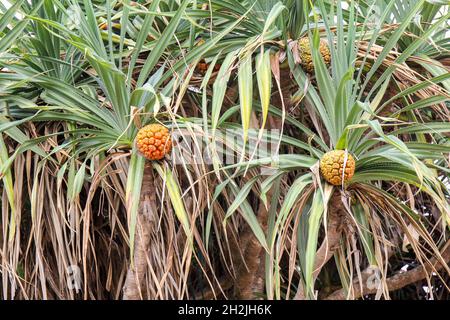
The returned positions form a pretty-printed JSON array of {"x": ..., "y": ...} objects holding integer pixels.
[
  {"x": 133, "y": 288},
  {"x": 336, "y": 214},
  {"x": 396, "y": 281},
  {"x": 250, "y": 280}
]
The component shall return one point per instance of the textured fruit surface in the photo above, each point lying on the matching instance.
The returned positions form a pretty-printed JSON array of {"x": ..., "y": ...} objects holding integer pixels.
[
  {"x": 153, "y": 141},
  {"x": 304, "y": 47},
  {"x": 332, "y": 167},
  {"x": 202, "y": 67}
]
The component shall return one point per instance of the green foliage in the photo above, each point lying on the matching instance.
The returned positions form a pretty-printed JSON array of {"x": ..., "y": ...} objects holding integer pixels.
[{"x": 79, "y": 78}]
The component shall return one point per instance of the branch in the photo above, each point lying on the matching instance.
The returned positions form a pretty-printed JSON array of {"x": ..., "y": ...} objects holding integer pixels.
[{"x": 397, "y": 281}]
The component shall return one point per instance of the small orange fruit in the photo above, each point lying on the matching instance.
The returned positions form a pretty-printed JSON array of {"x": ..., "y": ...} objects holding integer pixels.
[
  {"x": 202, "y": 67},
  {"x": 332, "y": 167},
  {"x": 153, "y": 141}
]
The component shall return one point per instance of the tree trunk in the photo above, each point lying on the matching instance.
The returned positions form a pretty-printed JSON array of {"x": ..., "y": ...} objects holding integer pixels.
[
  {"x": 134, "y": 287},
  {"x": 251, "y": 273},
  {"x": 250, "y": 280},
  {"x": 336, "y": 214}
]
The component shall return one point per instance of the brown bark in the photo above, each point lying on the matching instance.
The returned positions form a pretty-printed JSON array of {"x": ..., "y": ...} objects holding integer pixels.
[
  {"x": 396, "y": 281},
  {"x": 251, "y": 273},
  {"x": 336, "y": 215},
  {"x": 250, "y": 279},
  {"x": 147, "y": 216}
]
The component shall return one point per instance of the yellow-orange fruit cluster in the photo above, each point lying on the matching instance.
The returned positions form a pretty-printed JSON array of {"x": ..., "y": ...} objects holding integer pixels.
[
  {"x": 306, "y": 58},
  {"x": 153, "y": 141},
  {"x": 332, "y": 167}
]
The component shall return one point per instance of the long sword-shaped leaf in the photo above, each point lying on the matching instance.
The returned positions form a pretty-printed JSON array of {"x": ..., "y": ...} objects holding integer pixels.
[
  {"x": 264, "y": 79},
  {"x": 158, "y": 50},
  {"x": 245, "y": 80},
  {"x": 142, "y": 36},
  {"x": 315, "y": 216},
  {"x": 175, "y": 197},
  {"x": 133, "y": 195},
  {"x": 9, "y": 188},
  {"x": 17, "y": 30}
]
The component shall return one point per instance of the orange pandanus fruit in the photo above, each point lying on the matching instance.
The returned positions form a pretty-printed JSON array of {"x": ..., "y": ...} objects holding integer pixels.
[
  {"x": 153, "y": 141},
  {"x": 334, "y": 166}
]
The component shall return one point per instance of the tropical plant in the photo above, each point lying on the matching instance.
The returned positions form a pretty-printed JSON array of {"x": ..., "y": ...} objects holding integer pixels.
[{"x": 309, "y": 140}]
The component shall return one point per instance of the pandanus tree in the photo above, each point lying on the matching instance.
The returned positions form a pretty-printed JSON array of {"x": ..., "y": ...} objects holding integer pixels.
[{"x": 350, "y": 96}]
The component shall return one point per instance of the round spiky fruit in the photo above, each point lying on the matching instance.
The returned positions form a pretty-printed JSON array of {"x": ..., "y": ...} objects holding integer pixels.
[
  {"x": 306, "y": 58},
  {"x": 332, "y": 167},
  {"x": 153, "y": 141}
]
